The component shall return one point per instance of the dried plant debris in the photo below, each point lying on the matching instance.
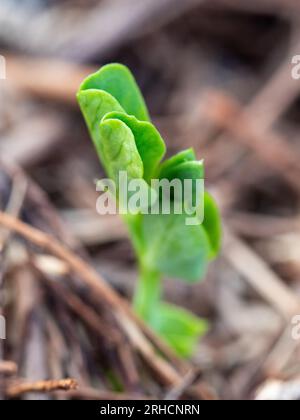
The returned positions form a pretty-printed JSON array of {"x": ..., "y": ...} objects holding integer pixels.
[{"x": 216, "y": 76}]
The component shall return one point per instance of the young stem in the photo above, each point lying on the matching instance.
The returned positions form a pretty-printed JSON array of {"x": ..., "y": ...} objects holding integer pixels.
[
  {"x": 147, "y": 293},
  {"x": 148, "y": 289}
]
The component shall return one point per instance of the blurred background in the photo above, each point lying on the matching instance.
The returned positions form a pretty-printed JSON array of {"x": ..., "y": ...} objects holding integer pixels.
[{"x": 216, "y": 75}]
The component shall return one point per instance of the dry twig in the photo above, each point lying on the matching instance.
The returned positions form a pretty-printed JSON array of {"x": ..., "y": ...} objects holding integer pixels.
[
  {"x": 14, "y": 391},
  {"x": 119, "y": 306},
  {"x": 260, "y": 276},
  {"x": 8, "y": 368}
]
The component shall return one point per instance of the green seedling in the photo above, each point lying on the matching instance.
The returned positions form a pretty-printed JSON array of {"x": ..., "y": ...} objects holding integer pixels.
[{"x": 165, "y": 246}]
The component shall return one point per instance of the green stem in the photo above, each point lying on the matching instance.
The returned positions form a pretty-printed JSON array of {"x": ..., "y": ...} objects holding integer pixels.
[
  {"x": 147, "y": 293},
  {"x": 148, "y": 290}
]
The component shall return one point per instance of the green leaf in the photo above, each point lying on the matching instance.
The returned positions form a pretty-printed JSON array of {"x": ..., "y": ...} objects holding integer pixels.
[
  {"x": 184, "y": 166},
  {"x": 186, "y": 170},
  {"x": 168, "y": 165},
  {"x": 174, "y": 248},
  {"x": 193, "y": 171},
  {"x": 212, "y": 224},
  {"x": 180, "y": 328},
  {"x": 118, "y": 81},
  {"x": 119, "y": 150},
  {"x": 94, "y": 104},
  {"x": 148, "y": 141}
]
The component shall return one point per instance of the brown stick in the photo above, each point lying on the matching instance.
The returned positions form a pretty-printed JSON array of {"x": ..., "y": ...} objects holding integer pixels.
[
  {"x": 87, "y": 314},
  {"x": 8, "y": 368},
  {"x": 270, "y": 147},
  {"x": 16, "y": 390},
  {"x": 260, "y": 276},
  {"x": 256, "y": 225},
  {"x": 119, "y": 306},
  {"x": 51, "y": 79}
]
